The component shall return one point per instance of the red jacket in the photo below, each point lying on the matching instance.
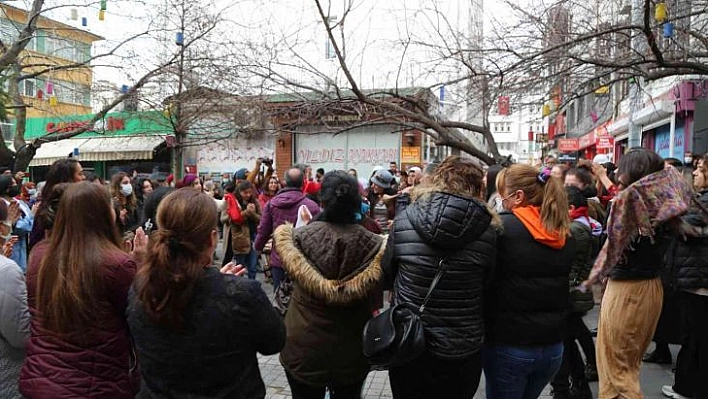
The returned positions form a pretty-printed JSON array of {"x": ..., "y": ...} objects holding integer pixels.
[{"x": 99, "y": 361}]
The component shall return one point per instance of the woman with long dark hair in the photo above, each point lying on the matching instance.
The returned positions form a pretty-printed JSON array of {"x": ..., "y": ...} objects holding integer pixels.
[
  {"x": 197, "y": 331},
  {"x": 269, "y": 190},
  {"x": 67, "y": 170},
  {"x": 641, "y": 222},
  {"x": 334, "y": 263},
  {"x": 77, "y": 288},
  {"x": 125, "y": 202}
]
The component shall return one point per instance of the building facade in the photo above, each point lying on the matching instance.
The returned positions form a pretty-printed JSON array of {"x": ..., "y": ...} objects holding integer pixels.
[{"x": 57, "y": 92}]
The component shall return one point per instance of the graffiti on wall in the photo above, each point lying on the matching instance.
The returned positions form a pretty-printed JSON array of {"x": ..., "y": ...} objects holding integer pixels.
[
  {"x": 353, "y": 156},
  {"x": 223, "y": 159}
]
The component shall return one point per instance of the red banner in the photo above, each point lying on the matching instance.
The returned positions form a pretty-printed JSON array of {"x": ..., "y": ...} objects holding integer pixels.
[
  {"x": 568, "y": 145},
  {"x": 503, "y": 105}
]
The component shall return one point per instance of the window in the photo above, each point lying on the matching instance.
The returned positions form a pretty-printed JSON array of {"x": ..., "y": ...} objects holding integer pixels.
[
  {"x": 72, "y": 93},
  {"x": 329, "y": 49},
  {"x": 66, "y": 48},
  {"x": 28, "y": 87}
]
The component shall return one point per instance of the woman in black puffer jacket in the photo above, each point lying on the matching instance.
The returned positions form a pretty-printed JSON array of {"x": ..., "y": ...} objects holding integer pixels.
[
  {"x": 690, "y": 263},
  {"x": 449, "y": 222}
]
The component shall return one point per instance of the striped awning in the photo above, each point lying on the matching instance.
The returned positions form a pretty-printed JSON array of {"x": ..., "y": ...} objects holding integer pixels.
[{"x": 115, "y": 148}]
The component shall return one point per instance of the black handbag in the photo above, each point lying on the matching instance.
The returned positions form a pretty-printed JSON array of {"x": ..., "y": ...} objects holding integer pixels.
[{"x": 396, "y": 337}]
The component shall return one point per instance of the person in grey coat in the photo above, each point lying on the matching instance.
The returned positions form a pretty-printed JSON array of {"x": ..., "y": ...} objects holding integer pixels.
[{"x": 14, "y": 314}]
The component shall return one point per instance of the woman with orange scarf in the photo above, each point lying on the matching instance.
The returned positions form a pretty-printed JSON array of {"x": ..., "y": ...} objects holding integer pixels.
[{"x": 527, "y": 299}]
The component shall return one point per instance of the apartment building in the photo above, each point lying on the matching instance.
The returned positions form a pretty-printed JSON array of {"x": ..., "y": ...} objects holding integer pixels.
[{"x": 58, "y": 92}]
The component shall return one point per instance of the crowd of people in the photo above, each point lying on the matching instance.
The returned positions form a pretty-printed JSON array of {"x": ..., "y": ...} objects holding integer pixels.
[{"x": 110, "y": 289}]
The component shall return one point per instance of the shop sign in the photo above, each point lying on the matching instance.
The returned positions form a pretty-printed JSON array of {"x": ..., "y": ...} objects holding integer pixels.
[
  {"x": 568, "y": 145},
  {"x": 567, "y": 158},
  {"x": 605, "y": 142},
  {"x": 117, "y": 123},
  {"x": 410, "y": 155},
  {"x": 586, "y": 140}
]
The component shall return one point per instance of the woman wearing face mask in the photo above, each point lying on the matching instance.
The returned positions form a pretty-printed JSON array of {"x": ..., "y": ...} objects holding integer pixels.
[
  {"x": 22, "y": 219},
  {"x": 125, "y": 202},
  {"x": 14, "y": 315},
  {"x": 27, "y": 194},
  {"x": 528, "y": 294}
]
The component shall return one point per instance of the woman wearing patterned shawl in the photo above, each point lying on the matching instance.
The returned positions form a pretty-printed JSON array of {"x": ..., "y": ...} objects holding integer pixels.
[{"x": 642, "y": 218}]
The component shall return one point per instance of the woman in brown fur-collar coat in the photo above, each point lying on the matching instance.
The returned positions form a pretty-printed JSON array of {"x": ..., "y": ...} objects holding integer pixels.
[{"x": 335, "y": 265}]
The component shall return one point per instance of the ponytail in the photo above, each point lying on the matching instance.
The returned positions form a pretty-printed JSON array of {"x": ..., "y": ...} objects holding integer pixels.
[
  {"x": 554, "y": 207},
  {"x": 176, "y": 256},
  {"x": 541, "y": 190},
  {"x": 166, "y": 283}
]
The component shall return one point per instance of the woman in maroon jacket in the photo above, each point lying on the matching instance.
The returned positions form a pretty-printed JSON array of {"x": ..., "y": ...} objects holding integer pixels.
[{"x": 77, "y": 287}]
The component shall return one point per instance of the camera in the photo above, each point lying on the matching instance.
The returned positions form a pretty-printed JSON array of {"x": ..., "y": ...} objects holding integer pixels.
[{"x": 268, "y": 161}]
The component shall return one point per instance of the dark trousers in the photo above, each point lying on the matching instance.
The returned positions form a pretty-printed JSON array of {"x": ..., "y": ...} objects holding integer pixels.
[
  {"x": 692, "y": 361},
  {"x": 573, "y": 365},
  {"x": 587, "y": 344},
  {"x": 303, "y": 391},
  {"x": 430, "y": 377},
  {"x": 229, "y": 253}
]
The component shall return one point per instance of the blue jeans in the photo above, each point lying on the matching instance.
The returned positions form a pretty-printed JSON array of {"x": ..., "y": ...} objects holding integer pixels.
[
  {"x": 520, "y": 372},
  {"x": 249, "y": 260}
]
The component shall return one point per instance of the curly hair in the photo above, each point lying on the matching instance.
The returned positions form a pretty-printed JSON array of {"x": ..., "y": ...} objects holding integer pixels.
[{"x": 455, "y": 175}]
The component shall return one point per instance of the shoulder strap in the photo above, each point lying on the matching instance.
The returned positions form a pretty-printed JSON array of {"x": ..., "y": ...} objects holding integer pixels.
[{"x": 438, "y": 274}]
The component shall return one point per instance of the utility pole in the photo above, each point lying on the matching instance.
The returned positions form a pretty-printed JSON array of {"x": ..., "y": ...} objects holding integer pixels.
[{"x": 635, "y": 93}]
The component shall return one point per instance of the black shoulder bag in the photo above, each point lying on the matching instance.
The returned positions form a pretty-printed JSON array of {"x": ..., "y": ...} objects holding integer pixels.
[{"x": 395, "y": 337}]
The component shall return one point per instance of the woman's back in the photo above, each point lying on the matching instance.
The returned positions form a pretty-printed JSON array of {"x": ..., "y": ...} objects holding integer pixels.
[
  {"x": 528, "y": 298},
  {"x": 336, "y": 269},
  {"x": 95, "y": 361},
  {"x": 459, "y": 230},
  {"x": 213, "y": 355}
]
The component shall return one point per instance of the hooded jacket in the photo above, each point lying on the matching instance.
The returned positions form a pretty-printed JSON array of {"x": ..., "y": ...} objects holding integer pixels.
[
  {"x": 527, "y": 300},
  {"x": 436, "y": 227},
  {"x": 278, "y": 211},
  {"x": 335, "y": 270}
]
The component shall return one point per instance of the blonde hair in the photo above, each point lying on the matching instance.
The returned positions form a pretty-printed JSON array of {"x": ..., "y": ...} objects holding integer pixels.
[
  {"x": 455, "y": 175},
  {"x": 550, "y": 196}
]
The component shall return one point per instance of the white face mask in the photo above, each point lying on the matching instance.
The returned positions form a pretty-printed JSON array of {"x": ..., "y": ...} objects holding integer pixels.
[
  {"x": 126, "y": 189},
  {"x": 32, "y": 192}
]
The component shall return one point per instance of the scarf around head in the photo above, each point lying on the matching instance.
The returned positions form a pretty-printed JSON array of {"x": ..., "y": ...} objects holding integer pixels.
[{"x": 645, "y": 204}]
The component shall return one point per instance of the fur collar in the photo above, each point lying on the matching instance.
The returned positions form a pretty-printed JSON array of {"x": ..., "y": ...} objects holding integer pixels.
[{"x": 356, "y": 287}]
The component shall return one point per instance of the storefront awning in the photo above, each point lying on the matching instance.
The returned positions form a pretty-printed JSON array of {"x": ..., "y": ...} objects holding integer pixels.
[
  {"x": 647, "y": 115},
  {"x": 98, "y": 149}
]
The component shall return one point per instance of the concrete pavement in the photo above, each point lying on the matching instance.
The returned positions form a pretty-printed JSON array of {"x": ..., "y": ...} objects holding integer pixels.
[{"x": 377, "y": 385}]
